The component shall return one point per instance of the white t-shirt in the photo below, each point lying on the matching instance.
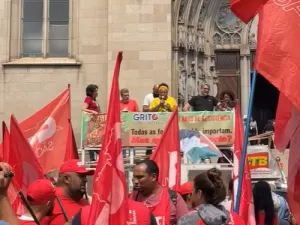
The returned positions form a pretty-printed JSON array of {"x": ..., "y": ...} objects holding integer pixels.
[
  {"x": 26, "y": 218},
  {"x": 227, "y": 204},
  {"x": 148, "y": 99}
]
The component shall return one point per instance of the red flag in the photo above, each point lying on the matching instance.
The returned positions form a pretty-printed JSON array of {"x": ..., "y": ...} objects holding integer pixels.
[
  {"x": 12, "y": 192},
  {"x": 246, "y": 9},
  {"x": 286, "y": 122},
  {"x": 4, "y": 154},
  {"x": 277, "y": 57},
  {"x": 167, "y": 154},
  {"x": 109, "y": 204},
  {"x": 246, "y": 210},
  {"x": 47, "y": 131},
  {"x": 71, "y": 150},
  {"x": 278, "y": 45},
  {"x": 293, "y": 191},
  {"x": 23, "y": 161},
  {"x": 278, "y": 60}
]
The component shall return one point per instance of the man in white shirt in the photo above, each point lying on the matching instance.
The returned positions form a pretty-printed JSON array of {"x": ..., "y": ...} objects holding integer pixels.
[{"x": 149, "y": 97}]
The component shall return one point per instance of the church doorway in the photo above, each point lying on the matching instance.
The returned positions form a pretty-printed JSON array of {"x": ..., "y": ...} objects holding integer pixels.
[{"x": 265, "y": 102}]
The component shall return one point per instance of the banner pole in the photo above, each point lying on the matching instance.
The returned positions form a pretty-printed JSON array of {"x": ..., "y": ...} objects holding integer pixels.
[{"x": 245, "y": 144}]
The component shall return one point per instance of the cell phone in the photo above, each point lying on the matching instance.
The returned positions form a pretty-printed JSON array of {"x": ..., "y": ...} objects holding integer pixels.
[{"x": 10, "y": 174}]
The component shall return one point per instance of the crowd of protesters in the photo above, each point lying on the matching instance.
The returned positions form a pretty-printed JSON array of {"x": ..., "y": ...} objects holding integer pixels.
[{"x": 202, "y": 201}]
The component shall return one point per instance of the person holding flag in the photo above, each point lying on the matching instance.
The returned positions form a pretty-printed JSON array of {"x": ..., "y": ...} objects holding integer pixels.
[
  {"x": 40, "y": 197},
  {"x": 167, "y": 206},
  {"x": 71, "y": 187},
  {"x": 208, "y": 192}
]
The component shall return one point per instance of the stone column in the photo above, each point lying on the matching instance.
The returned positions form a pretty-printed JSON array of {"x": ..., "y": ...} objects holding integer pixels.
[
  {"x": 196, "y": 70},
  {"x": 175, "y": 73},
  {"x": 245, "y": 82}
]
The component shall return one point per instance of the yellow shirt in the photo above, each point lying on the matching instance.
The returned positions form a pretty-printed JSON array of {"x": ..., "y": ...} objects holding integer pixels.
[{"x": 169, "y": 101}]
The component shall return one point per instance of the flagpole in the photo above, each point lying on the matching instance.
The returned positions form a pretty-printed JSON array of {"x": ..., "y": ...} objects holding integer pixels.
[{"x": 245, "y": 144}]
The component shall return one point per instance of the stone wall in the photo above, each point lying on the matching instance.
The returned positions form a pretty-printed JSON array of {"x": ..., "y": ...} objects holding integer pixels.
[
  {"x": 28, "y": 84},
  {"x": 142, "y": 29},
  {"x": 98, "y": 30}
]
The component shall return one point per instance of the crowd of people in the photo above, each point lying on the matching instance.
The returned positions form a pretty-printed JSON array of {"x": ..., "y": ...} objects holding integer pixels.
[
  {"x": 159, "y": 100},
  {"x": 202, "y": 201}
]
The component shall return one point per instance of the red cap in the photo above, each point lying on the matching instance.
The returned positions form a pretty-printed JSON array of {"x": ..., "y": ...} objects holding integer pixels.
[
  {"x": 76, "y": 166},
  {"x": 40, "y": 191},
  {"x": 186, "y": 188}
]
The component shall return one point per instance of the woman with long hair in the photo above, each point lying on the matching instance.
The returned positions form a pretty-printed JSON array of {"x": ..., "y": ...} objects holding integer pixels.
[
  {"x": 208, "y": 194},
  {"x": 263, "y": 204},
  {"x": 227, "y": 101}
]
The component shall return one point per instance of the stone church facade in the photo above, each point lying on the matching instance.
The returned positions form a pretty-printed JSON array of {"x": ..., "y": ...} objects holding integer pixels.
[{"x": 47, "y": 44}]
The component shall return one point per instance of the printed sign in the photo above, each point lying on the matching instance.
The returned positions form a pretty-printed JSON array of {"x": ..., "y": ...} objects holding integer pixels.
[
  {"x": 145, "y": 129},
  {"x": 258, "y": 160}
]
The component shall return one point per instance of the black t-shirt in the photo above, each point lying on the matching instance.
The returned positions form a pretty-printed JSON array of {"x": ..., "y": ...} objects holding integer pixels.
[{"x": 203, "y": 103}]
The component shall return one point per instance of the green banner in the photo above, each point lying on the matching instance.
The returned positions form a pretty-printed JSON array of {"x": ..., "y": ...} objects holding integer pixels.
[{"x": 145, "y": 129}]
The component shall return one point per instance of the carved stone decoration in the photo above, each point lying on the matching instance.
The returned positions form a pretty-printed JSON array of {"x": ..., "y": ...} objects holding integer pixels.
[
  {"x": 190, "y": 79},
  {"x": 182, "y": 7},
  {"x": 181, "y": 35},
  {"x": 217, "y": 40},
  {"x": 252, "y": 35},
  {"x": 193, "y": 10},
  {"x": 226, "y": 39},
  {"x": 193, "y": 70},
  {"x": 182, "y": 83},
  {"x": 227, "y": 21},
  {"x": 252, "y": 41},
  {"x": 201, "y": 73},
  {"x": 191, "y": 38},
  {"x": 200, "y": 40},
  {"x": 203, "y": 10},
  {"x": 236, "y": 39}
]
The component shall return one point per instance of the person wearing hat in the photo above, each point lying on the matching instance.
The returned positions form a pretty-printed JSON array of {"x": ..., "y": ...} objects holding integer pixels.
[
  {"x": 40, "y": 197},
  {"x": 186, "y": 190},
  {"x": 70, "y": 189}
]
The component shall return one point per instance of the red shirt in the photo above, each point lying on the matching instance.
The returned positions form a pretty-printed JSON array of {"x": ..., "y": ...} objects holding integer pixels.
[
  {"x": 26, "y": 220},
  {"x": 130, "y": 106},
  {"x": 70, "y": 206},
  {"x": 92, "y": 105},
  {"x": 138, "y": 214}
]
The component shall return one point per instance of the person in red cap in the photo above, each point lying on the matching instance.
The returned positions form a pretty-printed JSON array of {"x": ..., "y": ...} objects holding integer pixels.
[
  {"x": 71, "y": 187},
  {"x": 186, "y": 190},
  {"x": 138, "y": 214},
  {"x": 40, "y": 196}
]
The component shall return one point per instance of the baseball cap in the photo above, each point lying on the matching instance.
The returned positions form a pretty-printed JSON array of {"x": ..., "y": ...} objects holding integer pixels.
[
  {"x": 40, "y": 191},
  {"x": 186, "y": 188},
  {"x": 76, "y": 166}
]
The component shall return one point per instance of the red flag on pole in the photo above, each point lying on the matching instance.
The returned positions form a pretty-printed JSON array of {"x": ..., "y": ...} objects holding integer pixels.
[
  {"x": 278, "y": 60},
  {"x": 246, "y": 203},
  {"x": 293, "y": 184},
  {"x": 71, "y": 150},
  {"x": 12, "y": 192},
  {"x": 4, "y": 154},
  {"x": 23, "y": 161},
  {"x": 109, "y": 204},
  {"x": 246, "y": 9},
  {"x": 167, "y": 154},
  {"x": 47, "y": 131}
]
